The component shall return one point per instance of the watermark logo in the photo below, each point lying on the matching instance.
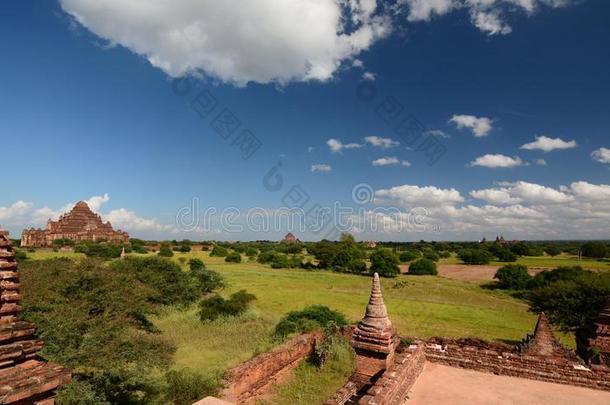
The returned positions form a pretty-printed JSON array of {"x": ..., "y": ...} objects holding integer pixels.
[{"x": 363, "y": 193}]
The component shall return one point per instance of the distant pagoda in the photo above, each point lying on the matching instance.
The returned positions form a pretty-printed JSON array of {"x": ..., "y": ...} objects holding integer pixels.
[
  {"x": 24, "y": 377},
  {"x": 80, "y": 224}
]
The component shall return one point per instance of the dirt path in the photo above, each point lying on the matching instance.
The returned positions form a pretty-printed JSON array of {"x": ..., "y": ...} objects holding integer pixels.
[
  {"x": 468, "y": 272},
  {"x": 442, "y": 385}
]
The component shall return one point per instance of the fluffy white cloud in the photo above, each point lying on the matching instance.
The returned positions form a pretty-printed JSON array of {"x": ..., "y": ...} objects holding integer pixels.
[
  {"x": 547, "y": 144},
  {"x": 337, "y": 146},
  {"x": 130, "y": 221},
  {"x": 410, "y": 195},
  {"x": 322, "y": 167},
  {"x": 496, "y": 196},
  {"x": 386, "y": 161},
  {"x": 590, "y": 192},
  {"x": 15, "y": 211},
  {"x": 497, "y": 161},
  {"x": 406, "y": 163},
  {"x": 259, "y": 41},
  {"x": 540, "y": 162},
  {"x": 486, "y": 15},
  {"x": 380, "y": 142},
  {"x": 601, "y": 155},
  {"x": 369, "y": 76},
  {"x": 480, "y": 126}
]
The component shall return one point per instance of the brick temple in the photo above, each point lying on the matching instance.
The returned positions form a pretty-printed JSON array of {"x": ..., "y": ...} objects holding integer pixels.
[
  {"x": 599, "y": 337},
  {"x": 80, "y": 224},
  {"x": 24, "y": 377}
]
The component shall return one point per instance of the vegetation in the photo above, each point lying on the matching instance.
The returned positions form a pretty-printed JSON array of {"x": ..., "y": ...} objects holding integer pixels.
[
  {"x": 346, "y": 256},
  {"x": 215, "y": 307},
  {"x": 474, "y": 256},
  {"x": 307, "y": 319},
  {"x": 233, "y": 257},
  {"x": 102, "y": 250},
  {"x": 219, "y": 251},
  {"x": 595, "y": 249},
  {"x": 513, "y": 277},
  {"x": 385, "y": 263},
  {"x": 423, "y": 267},
  {"x": 165, "y": 250},
  {"x": 409, "y": 255}
]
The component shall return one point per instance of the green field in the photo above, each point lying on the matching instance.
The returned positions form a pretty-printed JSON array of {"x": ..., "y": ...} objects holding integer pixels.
[
  {"x": 545, "y": 262},
  {"x": 421, "y": 306}
]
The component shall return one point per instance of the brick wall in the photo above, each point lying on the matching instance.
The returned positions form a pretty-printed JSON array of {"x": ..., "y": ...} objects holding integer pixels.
[
  {"x": 499, "y": 359},
  {"x": 245, "y": 382}
]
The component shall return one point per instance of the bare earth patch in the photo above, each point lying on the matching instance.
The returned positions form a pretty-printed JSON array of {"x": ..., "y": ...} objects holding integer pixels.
[
  {"x": 443, "y": 385},
  {"x": 473, "y": 273}
]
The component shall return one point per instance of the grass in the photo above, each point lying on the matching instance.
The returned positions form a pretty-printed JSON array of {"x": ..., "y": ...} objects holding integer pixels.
[{"x": 544, "y": 261}]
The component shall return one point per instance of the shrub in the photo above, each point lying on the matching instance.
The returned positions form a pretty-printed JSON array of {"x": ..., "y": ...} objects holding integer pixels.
[
  {"x": 214, "y": 307},
  {"x": 385, "y": 263},
  {"x": 251, "y": 252},
  {"x": 552, "y": 251},
  {"x": 103, "y": 250},
  {"x": 474, "y": 256},
  {"x": 196, "y": 264},
  {"x": 233, "y": 257},
  {"x": 594, "y": 249},
  {"x": 423, "y": 267},
  {"x": 165, "y": 250},
  {"x": 561, "y": 273},
  {"x": 307, "y": 319},
  {"x": 445, "y": 254},
  {"x": 185, "y": 387},
  {"x": 513, "y": 277},
  {"x": 409, "y": 255},
  {"x": 20, "y": 255},
  {"x": 219, "y": 251},
  {"x": 266, "y": 257},
  {"x": 505, "y": 255},
  {"x": 431, "y": 255}
]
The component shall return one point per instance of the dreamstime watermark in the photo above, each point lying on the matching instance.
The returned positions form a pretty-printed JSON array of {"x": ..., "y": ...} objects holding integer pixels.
[{"x": 297, "y": 219}]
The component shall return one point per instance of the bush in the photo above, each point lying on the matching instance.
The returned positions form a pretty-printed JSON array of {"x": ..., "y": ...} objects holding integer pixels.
[
  {"x": 102, "y": 250},
  {"x": 20, "y": 255},
  {"x": 214, "y": 307},
  {"x": 505, "y": 255},
  {"x": 219, "y": 251},
  {"x": 474, "y": 256},
  {"x": 307, "y": 319},
  {"x": 251, "y": 252},
  {"x": 409, "y": 256},
  {"x": 165, "y": 250},
  {"x": 185, "y": 387},
  {"x": 513, "y": 277},
  {"x": 233, "y": 257},
  {"x": 196, "y": 264},
  {"x": 385, "y": 263},
  {"x": 552, "y": 251},
  {"x": 423, "y": 267},
  {"x": 432, "y": 256},
  {"x": 561, "y": 273},
  {"x": 596, "y": 250},
  {"x": 208, "y": 280},
  {"x": 266, "y": 257}
]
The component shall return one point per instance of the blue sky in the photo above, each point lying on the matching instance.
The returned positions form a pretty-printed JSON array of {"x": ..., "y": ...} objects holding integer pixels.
[{"x": 87, "y": 109}]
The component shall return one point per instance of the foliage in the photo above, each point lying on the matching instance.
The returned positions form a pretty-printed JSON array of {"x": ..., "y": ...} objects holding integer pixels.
[
  {"x": 196, "y": 264},
  {"x": 346, "y": 256},
  {"x": 215, "y": 307},
  {"x": 233, "y": 257},
  {"x": 184, "y": 246},
  {"x": 165, "y": 250},
  {"x": 170, "y": 284},
  {"x": 505, "y": 255},
  {"x": 307, "y": 319},
  {"x": 103, "y": 250},
  {"x": 409, "y": 255},
  {"x": 94, "y": 320},
  {"x": 431, "y": 255},
  {"x": 423, "y": 267},
  {"x": 561, "y": 273},
  {"x": 219, "y": 251},
  {"x": 63, "y": 242},
  {"x": 596, "y": 250},
  {"x": 552, "y": 250},
  {"x": 185, "y": 387},
  {"x": 474, "y": 256},
  {"x": 385, "y": 263},
  {"x": 513, "y": 277},
  {"x": 251, "y": 251},
  {"x": 138, "y": 246},
  {"x": 20, "y": 255},
  {"x": 572, "y": 304}
]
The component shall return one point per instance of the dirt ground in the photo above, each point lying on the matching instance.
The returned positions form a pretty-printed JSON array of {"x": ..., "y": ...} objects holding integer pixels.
[
  {"x": 444, "y": 385},
  {"x": 468, "y": 272}
]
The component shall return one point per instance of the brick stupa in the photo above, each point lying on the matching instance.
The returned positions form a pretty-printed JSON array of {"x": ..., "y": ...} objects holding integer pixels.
[
  {"x": 374, "y": 339},
  {"x": 24, "y": 378},
  {"x": 80, "y": 224},
  {"x": 543, "y": 343},
  {"x": 599, "y": 337}
]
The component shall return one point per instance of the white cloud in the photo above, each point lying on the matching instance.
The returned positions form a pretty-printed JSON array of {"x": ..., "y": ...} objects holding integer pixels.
[
  {"x": 546, "y": 144},
  {"x": 590, "y": 192},
  {"x": 601, "y": 155},
  {"x": 490, "y": 22},
  {"x": 322, "y": 167},
  {"x": 411, "y": 195},
  {"x": 540, "y": 162},
  {"x": 380, "y": 142},
  {"x": 424, "y": 10},
  {"x": 261, "y": 41},
  {"x": 357, "y": 63},
  {"x": 406, "y": 163},
  {"x": 130, "y": 221},
  {"x": 496, "y": 196},
  {"x": 337, "y": 146},
  {"x": 369, "y": 76},
  {"x": 438, "y": 133},
  {"x": 497, "y": 161},
  {"x": 386, "y": 161},
  {"x": 15, "y": 211},
  {"x": 480, "y": 126}
]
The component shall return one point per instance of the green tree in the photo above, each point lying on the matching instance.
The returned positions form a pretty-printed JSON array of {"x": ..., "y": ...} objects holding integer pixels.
[
  {"x": 474, "y": 256},
  {"x": 385, "y": 263},
  {"x": 233, "y": 257},
  {"x": 165, "y": 250},
  {"x": 409, "y": 255},
  {"x": 552, "y": 250},
  {"x": 513, "y": 277},
  {"x": 596, "y": 250},
  {"x": 423, "y": 267},
  {"x": 219, "y": 251}
]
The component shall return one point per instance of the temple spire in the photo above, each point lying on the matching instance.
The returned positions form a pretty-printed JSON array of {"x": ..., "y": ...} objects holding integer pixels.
[
  {"x": 543, "y": 343},
  {"x": 376, "y": 315}
]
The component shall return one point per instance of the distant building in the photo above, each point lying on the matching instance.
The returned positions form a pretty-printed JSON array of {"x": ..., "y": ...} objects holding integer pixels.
[
  {"x": 290, "y": 238},
  {"x": 80, "y": 224},
  {"x": 371, "y": 244}
]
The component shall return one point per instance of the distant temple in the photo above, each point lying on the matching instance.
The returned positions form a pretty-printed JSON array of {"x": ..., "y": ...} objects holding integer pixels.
[
  {"x": 80, "y": 224},
  {"x": 371, "y": 244},
  {"x": 290, "y": 238}
]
